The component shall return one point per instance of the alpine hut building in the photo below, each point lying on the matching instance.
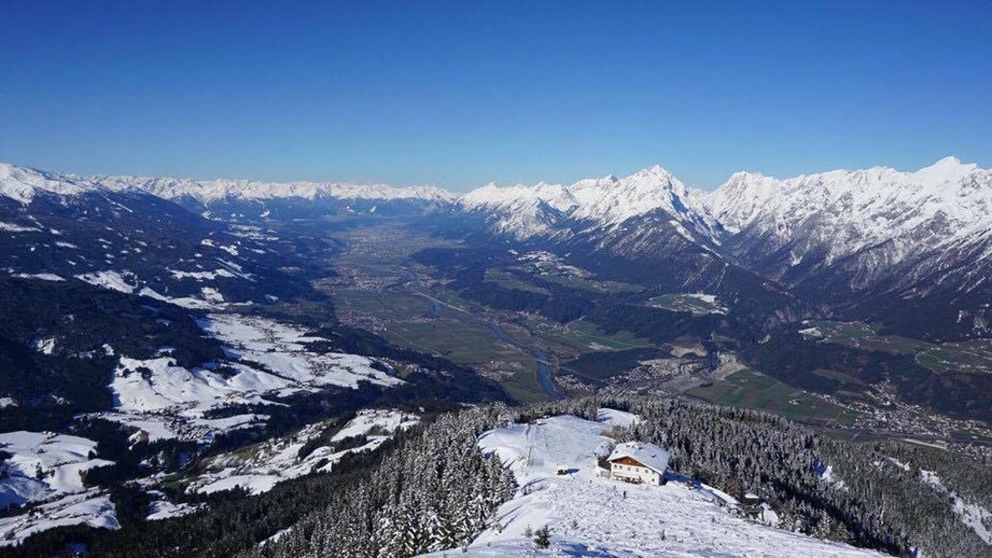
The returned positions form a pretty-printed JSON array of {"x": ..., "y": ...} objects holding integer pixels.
[{"x": 639, "y": 462}]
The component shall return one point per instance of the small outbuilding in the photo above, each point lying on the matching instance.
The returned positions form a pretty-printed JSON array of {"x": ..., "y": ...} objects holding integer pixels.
[{"x": 639, "y": 462}]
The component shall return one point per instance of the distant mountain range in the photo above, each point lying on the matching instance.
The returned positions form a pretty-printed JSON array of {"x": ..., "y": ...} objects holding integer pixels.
[{"x": 876, "y": 243}]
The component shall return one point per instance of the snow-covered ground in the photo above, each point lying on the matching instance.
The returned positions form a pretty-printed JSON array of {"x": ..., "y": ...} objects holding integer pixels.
[
  {"x": 976, "y": 517},
  {"x": 92, "y": 508},
  {"x": 264, "y": 465},
  {"x": 127, "y": 282},
  {"x": 590, "y": 515},
  {"x": 43, "y": 466},
  {"x": 265, "y": 359},
  {"x": 281, "y": 348},
  {"x": 161, "y": 507},
  {"x": 369, "y": 421},
  {"x": 700, "y": 304}
]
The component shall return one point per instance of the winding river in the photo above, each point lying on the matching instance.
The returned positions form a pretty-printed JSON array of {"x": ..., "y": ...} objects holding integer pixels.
[{"x": 544, "y": 377}]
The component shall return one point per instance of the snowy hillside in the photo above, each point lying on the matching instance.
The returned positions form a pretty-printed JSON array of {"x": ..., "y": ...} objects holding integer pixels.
[
  {"x": 869, "y": 223},
  {"x": 43, "y": 465},
  {"x": 523, "y": 211},
  {"x": 93, "y": 508},
  {"x": 258, "y": 468},
  {"x": 264, "y": 360},
  {"x": 45, "y": 469},
  {"x": 589, "y": 515},
  {"x": 207, "y": 191}
]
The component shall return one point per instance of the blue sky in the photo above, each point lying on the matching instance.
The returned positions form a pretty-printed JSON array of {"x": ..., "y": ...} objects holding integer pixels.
[{"x": 463, "y": 93}]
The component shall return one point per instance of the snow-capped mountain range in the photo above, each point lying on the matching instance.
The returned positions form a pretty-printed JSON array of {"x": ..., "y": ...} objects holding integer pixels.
[
  {"x": 527, "y": 211},
  {"x": 207, "y": 191},
  {"x": 946, "y": 206},
  {"x": 866, "y": 221},
  {"x": 836, "y": 236},
  {"x": 22, "y": 183}
]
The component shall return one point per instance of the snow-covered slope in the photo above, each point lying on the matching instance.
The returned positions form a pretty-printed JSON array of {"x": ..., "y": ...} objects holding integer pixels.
[
  {"x": 93, "y": 508},
  {"x": 589, "y": 515},
  {"x": 207, "y": 191},
  {"x": 527, "y": 211},
  {"x": 23, "y": 184},
  {"x": 264, "y": 360},
  {"x": 843, "y": 212},
  {"x": 260, "y": 467},
  {"x": 43, "y": 465},
  {"x": 877, "y": 230},
  {"x": 45, "y": 469}
]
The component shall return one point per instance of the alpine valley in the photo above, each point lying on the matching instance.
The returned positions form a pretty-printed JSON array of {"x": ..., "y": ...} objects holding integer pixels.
[{"x": 244, "y": 368}]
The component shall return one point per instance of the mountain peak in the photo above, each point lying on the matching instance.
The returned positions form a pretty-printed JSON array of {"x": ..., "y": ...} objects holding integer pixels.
[
  {"x": 654, "y": 170},
  {"x": 22, "y": 183},
  {"x": 947, "y": 170},
  {"x": 949, "y": 161}
]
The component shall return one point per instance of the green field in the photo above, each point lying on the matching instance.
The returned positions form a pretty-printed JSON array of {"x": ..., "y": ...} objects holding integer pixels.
[
  {"x": 683, "y": 302},
  {"x": 838, "y": 376},
  {"x": 460, "y": 342},
  {"x": 973, "y": 356},
  {"x": 592, "y": 285},
  {"x": 382, "y": 304},
  {"x": 410, "y": 321},
  {"x": 509, "y": 280},
  {"x": 580, "y": 337},
  {"x": 523, "y": 386},
  {"x": 755, "y": 390},
  {"x": 573, "y": 278}
]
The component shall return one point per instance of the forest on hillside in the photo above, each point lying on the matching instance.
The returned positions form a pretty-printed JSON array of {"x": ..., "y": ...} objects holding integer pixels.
[
  {"x": 433, "y": 489},
  {"x": 875, "y": 496}
]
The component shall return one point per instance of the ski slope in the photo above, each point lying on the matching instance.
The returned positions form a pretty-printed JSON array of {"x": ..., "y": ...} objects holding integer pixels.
[{"x": 590, "y": 515}]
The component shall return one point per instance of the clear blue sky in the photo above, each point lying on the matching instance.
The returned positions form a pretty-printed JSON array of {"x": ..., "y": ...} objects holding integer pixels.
[{"x": 463, "y": 93}]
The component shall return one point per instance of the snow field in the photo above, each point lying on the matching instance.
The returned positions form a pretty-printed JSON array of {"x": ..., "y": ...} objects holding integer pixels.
[
  {"x": 44, "y": 465},
  {"x": 268, "y": 358},
  {"x": 277, "y": 460},
  {"x": 591, "y": 515}
]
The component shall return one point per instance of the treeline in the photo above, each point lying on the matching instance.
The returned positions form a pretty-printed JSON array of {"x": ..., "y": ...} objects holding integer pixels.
[
  {"x": 868, "y": 500},
  {"x": 433, "y": 489},
  {"x": 436, "y": 492},
  {"x": 874, "y": 497}
]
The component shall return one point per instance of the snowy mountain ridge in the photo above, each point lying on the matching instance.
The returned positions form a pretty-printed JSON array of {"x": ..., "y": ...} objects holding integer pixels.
[
  {"x": 527, "y": 211},
  {"x": 206, "y": 191},
  {"x": 868, "y": 198},
  {"x": 931, "y": 226},
  {"x": 23, "y": 183},
  {"x": 872, "y": 199},
  {"x": 875, "y": 231}
]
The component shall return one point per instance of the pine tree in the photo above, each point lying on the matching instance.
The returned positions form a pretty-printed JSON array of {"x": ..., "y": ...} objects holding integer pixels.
[{"x": 542, "y": 538}]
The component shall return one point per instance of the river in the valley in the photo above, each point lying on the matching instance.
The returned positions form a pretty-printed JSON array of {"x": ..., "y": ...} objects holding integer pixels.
[{"x": 544, "y": 377}]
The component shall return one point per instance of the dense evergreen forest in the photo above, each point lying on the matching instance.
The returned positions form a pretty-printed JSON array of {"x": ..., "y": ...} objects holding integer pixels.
[
  {"x": 874, "y": 498},
  {"x": 433, "y": 489}
]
